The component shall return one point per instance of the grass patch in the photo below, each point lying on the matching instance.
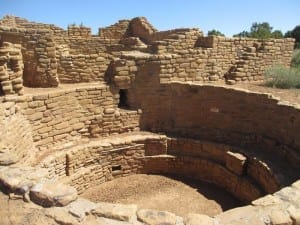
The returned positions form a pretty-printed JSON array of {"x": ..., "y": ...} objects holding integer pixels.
[
  {"x": 296, "y": 59},
  {"x": 282, "y": 77}
]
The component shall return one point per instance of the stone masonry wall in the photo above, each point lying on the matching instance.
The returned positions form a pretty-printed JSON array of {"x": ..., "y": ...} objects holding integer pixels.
[
  {"x": 66, "y": 116},
  {"x": 218, "y": 58},
  {"x": 79, "y": 31},
  {"x": 189, "y": 55},
  {"x": 16, "y": 143},
  {"x": 18, "y": 22},
  {"x": 82, "y": 68},
  {"x": 112, "y": 157},
  {"x": 115, "y": 31},
  {"x": 224, "y": 115},
  {"x": 39, "y": 55},
  {"x": 11, "y": 69},
  {"x": 103, "y": 160}
]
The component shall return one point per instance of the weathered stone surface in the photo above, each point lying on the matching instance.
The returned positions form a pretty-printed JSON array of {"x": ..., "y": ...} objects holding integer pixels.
[
  {"x": 153, "y": 217},
  {"x": 267, "y": 200},
  {"x": 61, "y": 216},
  {"x": 294, "y": 215},
  {"x": 238, "y": 214},
  {"x": 235, "y": 162},
  {"x": 278, "y": 217},
  {"x": 81, "y": 207},
  {"x": 7, "y": 158},
  {"x": 116, "y": 211},
  {"x": 21, "y": 179},
  {"x": 198, "y": 219},
  {"x": 52, "y": 194}
]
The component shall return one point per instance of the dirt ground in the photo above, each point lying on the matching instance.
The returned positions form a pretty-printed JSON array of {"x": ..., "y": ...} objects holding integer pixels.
[{"x": 163, "y": 193}]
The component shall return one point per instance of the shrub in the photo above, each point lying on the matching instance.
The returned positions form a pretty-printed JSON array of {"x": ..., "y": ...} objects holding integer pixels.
[
  {"x": 296, "y": 59},
  {"x": 282, "y": 77}
]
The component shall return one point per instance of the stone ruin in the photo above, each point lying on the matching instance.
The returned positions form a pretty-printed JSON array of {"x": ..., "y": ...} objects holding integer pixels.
[{"x": 79, "y": 109}]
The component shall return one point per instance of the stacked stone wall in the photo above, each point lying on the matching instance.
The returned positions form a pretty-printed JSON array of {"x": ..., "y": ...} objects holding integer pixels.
[
  {"x": 224, "y": 115},
  {"x": 218, "y": 58},
  {"x": 18, "y": 22},
  {"x": 115, "y": 31},
  {"x": 69, "y": 115},
  {"x": 39, "y": 55},
  {"x": 79, "y": 31},
  {"x": 11, "y": 69},
  {"x": 16, "y": 143}
]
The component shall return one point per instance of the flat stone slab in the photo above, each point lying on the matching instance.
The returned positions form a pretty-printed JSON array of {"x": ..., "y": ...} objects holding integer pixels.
[
  {"x": 52, "y": 194},
  {"x": 81, "y": 207},
  {"x": 278, "y": 217},
  {"x": 116, "y": 211},
  {"x": 198, "y": 219},
  {"x": 153, "y": 217},
  {"x": 7, "y": 158},
  {"x": 20, "y": 179},
  {"x": 61, "y": 216}
]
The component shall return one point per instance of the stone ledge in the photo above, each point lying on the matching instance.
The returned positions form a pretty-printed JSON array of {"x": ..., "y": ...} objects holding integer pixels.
[{"x": 280, "y": 208}]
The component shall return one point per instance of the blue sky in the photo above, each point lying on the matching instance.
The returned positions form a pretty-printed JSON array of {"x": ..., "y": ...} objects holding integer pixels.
[{"x": 228, "y": 16}]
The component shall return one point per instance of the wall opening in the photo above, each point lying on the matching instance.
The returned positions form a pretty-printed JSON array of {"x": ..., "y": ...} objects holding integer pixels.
[
  {"x": 116, "y": 168},
  {"x": 123, "y": 99},
  {"x": 1, "y": 90}
]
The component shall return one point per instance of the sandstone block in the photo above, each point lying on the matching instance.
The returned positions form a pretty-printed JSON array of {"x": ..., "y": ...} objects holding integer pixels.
[
  {"x": 267, "y": 200},
  {"x": 109, "y": 111},
  {"x": 20, "y": 179},
  {"x": 8, "y": 158},
  {"x": 153, "y": 217},
  {"x": 294, "y": 214},
  {"x": 52, "y": 194},
  {"x": 235, "y": 162},
  {"x": 81, "y": 207},
  {"x": 116, "y": 211},
  {"x": 35, "y": 116},
  {"x": 198, "y": 219},
  {"x": 61, "y": 216},
  {"x": 279, "y": 217}
]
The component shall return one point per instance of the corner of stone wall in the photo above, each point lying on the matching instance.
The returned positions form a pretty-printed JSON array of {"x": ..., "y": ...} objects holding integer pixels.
[{"x": 11, "y": 69}]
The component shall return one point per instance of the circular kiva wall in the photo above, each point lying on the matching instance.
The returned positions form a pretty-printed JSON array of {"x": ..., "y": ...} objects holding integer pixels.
[{"x": 243, "y": 142}]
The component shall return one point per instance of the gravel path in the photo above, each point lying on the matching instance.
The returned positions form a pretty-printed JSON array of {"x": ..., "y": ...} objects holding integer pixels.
[{"x": 162, "y": 193}]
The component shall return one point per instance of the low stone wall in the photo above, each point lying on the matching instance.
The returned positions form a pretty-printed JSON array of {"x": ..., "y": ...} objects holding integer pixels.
[
  {"x": 16, "y": 143},
  {"x": 69, "y": 115},
  {"x": 103, "y": 160},
  {"x": 247, "y": 177},
  {"x": 217, "y": 58},
  {"x": 280, "y": 208},
  {"x": 82, "y": 68},
  {"x": 79, "y": 31}
]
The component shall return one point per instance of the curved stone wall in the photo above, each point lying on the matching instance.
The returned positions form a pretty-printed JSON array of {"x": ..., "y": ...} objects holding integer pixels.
[
  {"x": 258, "y": 155},
  {"x": 254, "y": 121}
]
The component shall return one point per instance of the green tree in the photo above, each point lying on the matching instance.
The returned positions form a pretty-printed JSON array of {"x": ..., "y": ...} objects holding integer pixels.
[
  {"x": 261, "y": 30},
  {"x": 288, "y": 34},
  {"x": 277, "y": 34},
  {"x": 215, "y": 32},
  {"x": 295, "y": 33},
  {"x": 242, "y": 34}
]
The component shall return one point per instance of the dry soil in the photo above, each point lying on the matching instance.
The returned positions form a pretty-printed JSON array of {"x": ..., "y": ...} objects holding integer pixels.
[{"x": 163, "y": 193}]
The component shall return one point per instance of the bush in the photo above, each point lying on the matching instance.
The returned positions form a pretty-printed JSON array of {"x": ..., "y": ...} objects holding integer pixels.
[
  {"x": 296, "y": 59},
  {"x": 282, "y": 77}
]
